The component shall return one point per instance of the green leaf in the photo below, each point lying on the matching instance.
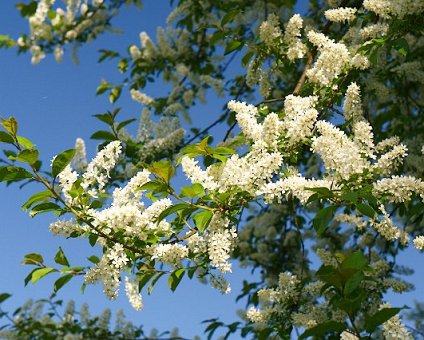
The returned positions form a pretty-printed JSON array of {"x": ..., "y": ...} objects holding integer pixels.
[
  {"x": 229, "y": 16},
  {"x": 246, "y": 58},
  {"x": 171, "y": 210},
  {"x": 365, "y": 209},
  {"x": 202, "y": 219},
  {"x": 61, "y": 161},
  {"x": 144, "y": 277},
  {"x": 153, "y": 282},
  {"x": 353, "y": 282},
  {"x": 350, "y": 196},
  {"x": 4, "y": 297},
  {"x": 27, "y": 10},
  {"x": 13, "y": 173},
  {"x": 232, "y": 46},
  {"x": 38, "y": 197},
  {"x": 155, "y": 186},
  {"x": 323, "y": 328},
  {"x": 323, "y": 218},
  {"x": 105, "y": 118},
  {"x": 29, "y": 276},
  {"x": 356, "y": 260},
  {"x": 103, "y": 87},
  {"x": 175, "y": 278},
  {"x": 372, "y": 322},
  {"x": 103, "y": 135},
  {"x": 125, "y": 123},
  {"x": 6, "y": 138},
  {"x": 115, "y": 93},
  {"x": 192, "y": 191},
  {"x": 60, "y": 282},
  {"x": 41, "y": 272},
  {"x": 43, "y": 207},
  {"x": 162, "y": 169},
  {"x": 10, "y": 125},
  {"x": 401, "y": 45},
  {"x": 330, "y": 275},
  {"x": 93, "y": 259},
  {"x": 25, "y": 142},
  {"x": 29, "y": 156},
  {"x": 60, "y": 258},
  {"x": 33, "y": 258},
  {"x": 107, "y": 54},
  {"x": 92, "y": 239},
  {"x": 6, "y": 41},
  {"x": 322, "y": 191}
]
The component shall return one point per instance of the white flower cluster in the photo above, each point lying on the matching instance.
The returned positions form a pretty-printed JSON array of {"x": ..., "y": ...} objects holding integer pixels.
[
  {"x": 354, "y": 220},
  {"x": 347, "y": 335},
  {"x": 341, "y": 14},
  {"x": 339, "y": 154},
  {"x": 413, "y": 71},
  {"x": 270, "y": 30},
  {"x": 252, "y": 171},
  {"x": 171, "y": 254},
  {"x": 49, "y": 20},
  {"x": 333, "y": 59},
  {"x": 296, "y": 48},
  {"x": 97, "y": 173},
  {"x": 299, "y": 119},
  {"x": 158, "y": 138},
  {"x": 79, "y": 162},
  {"x": 197, "y": 175},
  {"x": 419, "y": 242},
  {"x": 65, "y": 228},
  {"x": 108, "y": 270},
  {"x": 128, "y": 214},
  {"x": 67, "y": 178},
  {"x": 131, "y": 289},
  {"x": 398, "y": 8},
  {"x": 374, "y": 31},
  {"x": 387, "y": 228},
  {"x": 217, "y": 242},
  {"x": 220, "y": 240},
  {"x": 296, "y": 185},
  {"x": 399, "y": 188},
  {"x": 393, "y": 329},
  {"x": 273, "y": 300},
  {"x": 142, "y": 98},
  {"x": 352, "y": 105}
]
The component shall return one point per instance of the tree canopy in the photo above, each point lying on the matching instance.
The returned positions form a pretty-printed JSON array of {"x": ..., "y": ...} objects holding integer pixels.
[{"x": 318, "y": 158}]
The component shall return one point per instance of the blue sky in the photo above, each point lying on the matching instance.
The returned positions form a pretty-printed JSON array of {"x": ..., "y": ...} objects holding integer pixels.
[{"x": 54, "y": 104}]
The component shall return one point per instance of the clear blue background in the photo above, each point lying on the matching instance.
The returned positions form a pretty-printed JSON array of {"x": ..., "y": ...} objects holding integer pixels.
[{"x": 54, "y": 104}]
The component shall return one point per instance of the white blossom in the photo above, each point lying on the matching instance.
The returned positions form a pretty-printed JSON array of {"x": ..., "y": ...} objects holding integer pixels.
[
  {"x": 399, "y": 188},
  {"x": 390, "y": 161},
  {"x": 142, "y": 98},
  {"x": 352, "y": 106},
  {"x": 97, "y": 174},
  {"x": 419, "y": 242},
  {"x": 296, "y": 48},
  {"x": 196, "y": 174},
  {"x": 300, "y": 117},
  {"x": 338, "y": 152},
  {"x": 270, "y": 30},
  {"x": 393, "y": 329},
  {"x": 134, "y": 297},
  {"x": 79, "y": 162},
  {"x": 333, "y": 59},
  {"x": 171, "y": 254},
  {"x": 341, "y": 14}
]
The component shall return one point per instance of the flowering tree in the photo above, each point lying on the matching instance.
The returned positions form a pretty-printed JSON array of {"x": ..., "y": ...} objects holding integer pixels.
[{"x": 327, "y": 161}]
